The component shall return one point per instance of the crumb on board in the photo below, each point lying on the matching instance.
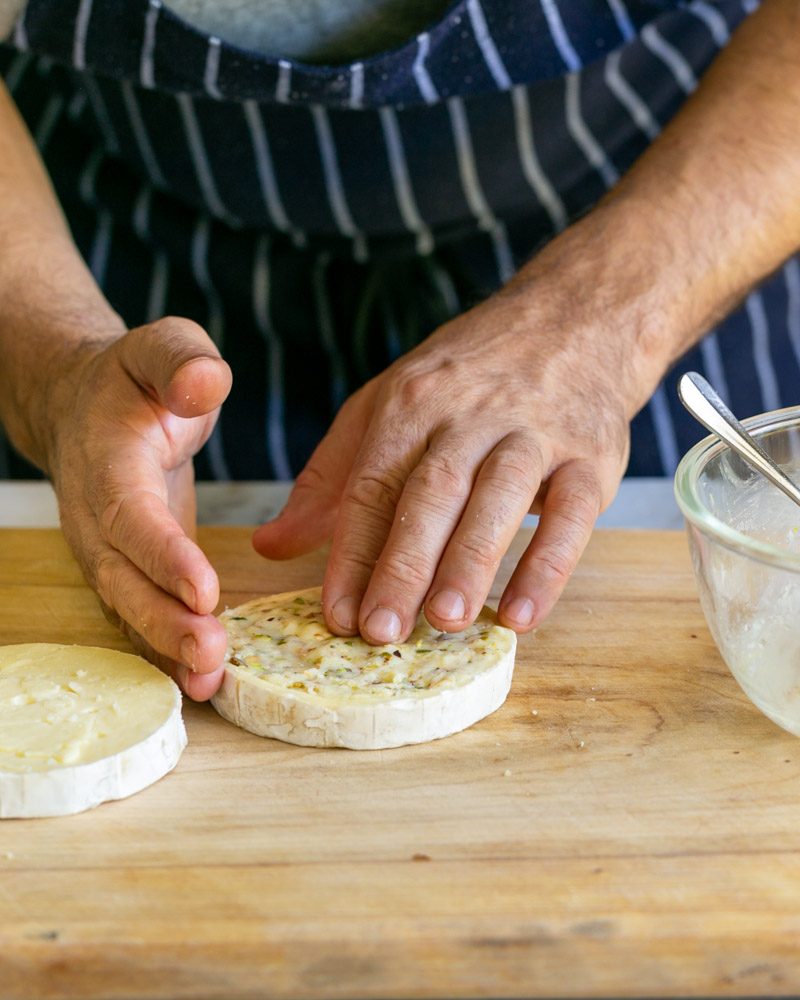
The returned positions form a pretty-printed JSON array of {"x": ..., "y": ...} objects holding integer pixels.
[{"x": 507, "y": 773}]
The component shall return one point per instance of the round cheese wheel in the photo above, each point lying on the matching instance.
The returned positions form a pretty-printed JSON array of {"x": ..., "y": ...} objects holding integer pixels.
[
  {"x": 288, "y": 677},
  {"x": 80, "y": 725}
]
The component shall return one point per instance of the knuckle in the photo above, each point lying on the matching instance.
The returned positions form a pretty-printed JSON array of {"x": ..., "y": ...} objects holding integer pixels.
[
  {"x": 110, "y": 518},
  {"x": 405, "y": 572},
  {"x": 356, "y": 566},
  {"x": 581, "y": 500},
  {"x": 311, "y": 478},
  {"x": 515, "y": 469},
  {"x": 411, "y": 388},
  {"x": 172, "y": 341},
  {"x": 477, "y": 550},
  {"x": 556, "y": 563},
  {"x": 376, "y": 492},
  {"x": 104, "y": 577},
  {"x": 313, "y": 481},
  {"x": 442, "y": 475}
]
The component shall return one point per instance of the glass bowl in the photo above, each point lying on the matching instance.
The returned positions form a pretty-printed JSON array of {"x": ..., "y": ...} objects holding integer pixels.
[{"x": 744, "y": 537}]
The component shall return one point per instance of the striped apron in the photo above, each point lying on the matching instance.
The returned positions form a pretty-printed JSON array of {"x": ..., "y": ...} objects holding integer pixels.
[{"x": 320, "y": 221}]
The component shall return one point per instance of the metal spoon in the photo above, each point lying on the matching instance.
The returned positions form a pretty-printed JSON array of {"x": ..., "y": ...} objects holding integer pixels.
[{"x": 705, "y": 406}]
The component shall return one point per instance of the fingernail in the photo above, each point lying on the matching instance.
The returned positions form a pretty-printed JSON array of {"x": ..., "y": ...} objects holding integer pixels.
[
  {"x": 519, "y": 610},
  {"x": 383, "y": 625},
  {"x": 448, "y": 605},
  {"x": 188, "y": 650},
  {"x": 187, "y": 593},
  {"x": 345, "y": 613}
]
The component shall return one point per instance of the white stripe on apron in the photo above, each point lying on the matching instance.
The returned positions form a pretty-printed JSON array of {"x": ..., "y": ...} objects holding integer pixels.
[
  {"x": 673, "y": 59},
  {"x": 580, "y": 132},
  {"x": 202, "y": 167},
  {"x": 356, "y": 85},
  {"x": 17, "y": 70},
  {"x": 712, "y": 19},
  {"x": 284, "y": 85},
  {"x": 559, "y": 34},
  {"x": 101, "y": 115},
  {"x": 81, "y": 29},
  {"x": 327, "y": 329},
  {"x": 487, "y": 46},
  {"x": 473, "y": 192},
  {"x": 44, "y": 128},
  {"x": 628, "y": 98},
  {"x": 261, "y": 291},
  {"x": 211, "y": 70},
  {"x": 623, "y": 19},
  {"x": 266, "y": 173},
  {"x": 333, "y": 182},
  {"x": 712, "y": 362},
  {"x": 156, "y": 303},
  {"x": 20, "y": 34},
  {"x": 759, "y": 326},
  {"x": 401, "y": 181},
  {"x": 216, "y": 330},
  {"x": 146, "y": 71},
  {"x": 791, "y": 277},
  {"x": 665, "y": 431},
  {"x": 420, "y": 71},
  {"x": 140, "y": 135}
]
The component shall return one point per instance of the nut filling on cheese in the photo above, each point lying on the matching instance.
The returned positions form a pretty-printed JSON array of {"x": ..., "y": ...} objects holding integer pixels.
[
  {"x": 80, "y": 725},
  {"x": 288, "y": 677}
]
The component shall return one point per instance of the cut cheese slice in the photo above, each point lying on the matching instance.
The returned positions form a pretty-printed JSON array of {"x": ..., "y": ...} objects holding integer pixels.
[
  {"x": 81, "y": 725},
  {"x": 288, "y": 677}
]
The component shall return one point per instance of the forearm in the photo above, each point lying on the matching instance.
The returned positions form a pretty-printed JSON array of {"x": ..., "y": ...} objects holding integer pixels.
[
  {"x": 50, "y": 305},
  {"x": 711, "y": 208}
]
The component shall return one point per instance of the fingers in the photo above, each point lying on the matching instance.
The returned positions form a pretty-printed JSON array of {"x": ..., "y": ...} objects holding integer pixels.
[
  {"x": 138, "y": 524},
  {"x": 177, "y": 363},
  {"x": 371, "y": 502},
  {"x": 142, "y": 408},
  {"x": 197, "y": 641},
  {"x": 571, "y": 505},
  {"x": 308, "y": 518},
  {"x": 198, "y": 687},
  {"x": 142, "y": 564},
  {"x": 503, "y": 493},
  {"x": 441, "y": 533}
]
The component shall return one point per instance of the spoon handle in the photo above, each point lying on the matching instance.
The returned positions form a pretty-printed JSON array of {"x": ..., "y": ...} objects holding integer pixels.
[{"x": 705, "y": 406}]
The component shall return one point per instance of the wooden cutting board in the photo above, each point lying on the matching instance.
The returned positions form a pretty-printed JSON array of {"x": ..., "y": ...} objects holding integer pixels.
[{"x": 626, "y": 825}]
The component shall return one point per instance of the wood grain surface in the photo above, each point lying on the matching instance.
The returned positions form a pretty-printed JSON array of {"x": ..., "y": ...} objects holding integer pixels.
[{"x": 627, "y": 824}]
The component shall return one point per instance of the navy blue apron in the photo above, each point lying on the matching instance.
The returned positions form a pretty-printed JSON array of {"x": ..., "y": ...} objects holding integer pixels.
[{"x": 319, "y": 221}]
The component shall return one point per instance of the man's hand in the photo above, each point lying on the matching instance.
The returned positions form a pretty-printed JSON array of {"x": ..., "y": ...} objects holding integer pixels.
[
  {"x": 525, "y": 400},
  {"x": 126, "y": 420},
  {"x": 428, "y": 470}
]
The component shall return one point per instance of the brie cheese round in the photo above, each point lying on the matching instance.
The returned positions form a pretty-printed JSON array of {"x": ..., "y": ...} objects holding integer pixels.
[
  {"x": 288, "y": 677},
  {"x": 80, "y": 725}
]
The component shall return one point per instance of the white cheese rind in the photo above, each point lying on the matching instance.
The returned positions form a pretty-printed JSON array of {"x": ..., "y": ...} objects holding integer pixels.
[
  {"x": 154, "y": 732},
  {"x": 470, "y": 689}
]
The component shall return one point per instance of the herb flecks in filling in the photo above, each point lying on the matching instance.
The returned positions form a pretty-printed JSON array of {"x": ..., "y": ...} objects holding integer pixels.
[{"x": 289, "y": 646}]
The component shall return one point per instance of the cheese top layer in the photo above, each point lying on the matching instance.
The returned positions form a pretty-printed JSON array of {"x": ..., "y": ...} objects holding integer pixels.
[
  {"x": 284, "y": 643},
  {"x": 61, "y": 706}
]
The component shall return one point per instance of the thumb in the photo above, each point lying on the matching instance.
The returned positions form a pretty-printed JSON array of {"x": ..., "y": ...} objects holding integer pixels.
[
  {"x": 307, "y": 520},
  {"x": 177, "y": 363}
]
